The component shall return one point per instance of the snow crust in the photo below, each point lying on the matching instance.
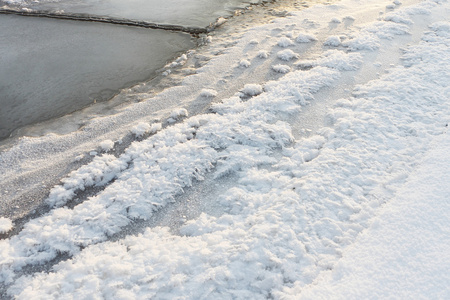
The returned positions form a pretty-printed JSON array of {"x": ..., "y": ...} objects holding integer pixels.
[{"x": 301, "y": 218}]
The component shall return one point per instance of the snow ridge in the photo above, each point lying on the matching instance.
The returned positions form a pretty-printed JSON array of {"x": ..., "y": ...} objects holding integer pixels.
[{"x": 160, "y": 167}]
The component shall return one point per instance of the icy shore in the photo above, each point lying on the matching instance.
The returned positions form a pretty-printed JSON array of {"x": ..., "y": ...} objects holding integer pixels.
[{"x": 311, "y": 202}]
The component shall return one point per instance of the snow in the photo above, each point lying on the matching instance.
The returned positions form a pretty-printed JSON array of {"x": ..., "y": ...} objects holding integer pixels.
[
  {"x": 287, "y": 55},
  {"x": 140, "y": 129},
  {"x": 405, "y": 253},
  {"x": 5, "y": 225},
  {"x": 208, "y": 93},
  {"x": 355, "y": 208},
  {"x": 180, "y": 12},
  {"x": 285, "y": 42},
  {"x": 107, "y": 145},
  {"x": 283, "y": 69},
  {"x": 333, "y": 41},
  {"x": 244, "y": 63},
  {"x": 252, "y": 89},
  {"x": 305, "y": 38}
]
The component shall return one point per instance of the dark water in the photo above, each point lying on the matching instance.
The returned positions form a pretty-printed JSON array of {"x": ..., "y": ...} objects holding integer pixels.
[{"x": 49, "y": 67}]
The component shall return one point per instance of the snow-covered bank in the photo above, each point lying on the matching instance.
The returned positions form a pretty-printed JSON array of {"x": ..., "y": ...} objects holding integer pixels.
[
  {"x": 405, "y": 254},
  {"x": 298, "y": 203}
]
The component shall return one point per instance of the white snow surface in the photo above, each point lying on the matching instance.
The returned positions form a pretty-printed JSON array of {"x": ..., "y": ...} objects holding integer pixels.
[{"x": 356, "y": 209}]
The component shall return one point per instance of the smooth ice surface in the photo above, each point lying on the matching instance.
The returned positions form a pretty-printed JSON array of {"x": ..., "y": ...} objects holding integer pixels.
[
  {"x": 178, "y": 12},
  {"x": 49, "y": 68}
]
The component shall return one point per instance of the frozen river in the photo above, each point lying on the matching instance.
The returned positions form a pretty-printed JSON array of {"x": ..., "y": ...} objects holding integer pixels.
[{"x": 49, "y": 68}]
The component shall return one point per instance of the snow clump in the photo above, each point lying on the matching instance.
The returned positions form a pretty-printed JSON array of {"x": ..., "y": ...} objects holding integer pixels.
[
  {"x": 333, "y": 41},
  {"x": 285, "y": 42},
  {"x": 179, "y": 113},
  {"x": 263, "y": 54},
  {"x": 305, "y": 38},
  {"x": 252, "y": 89},
  {"x": 5, "y": 225},
  {"x": 283, "y": 69},
  {"x": 335, "y": 20},
  {"x": 155, "y": 127},
  {"x": 208, "y": 93},
  {"x": 140, "y": 129},
  {"x": 244, "y": 63},
  {"x": 107, "y": 145},
  {"x": 335, "y": 59},
  {"x": 287, "y": 55}
]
